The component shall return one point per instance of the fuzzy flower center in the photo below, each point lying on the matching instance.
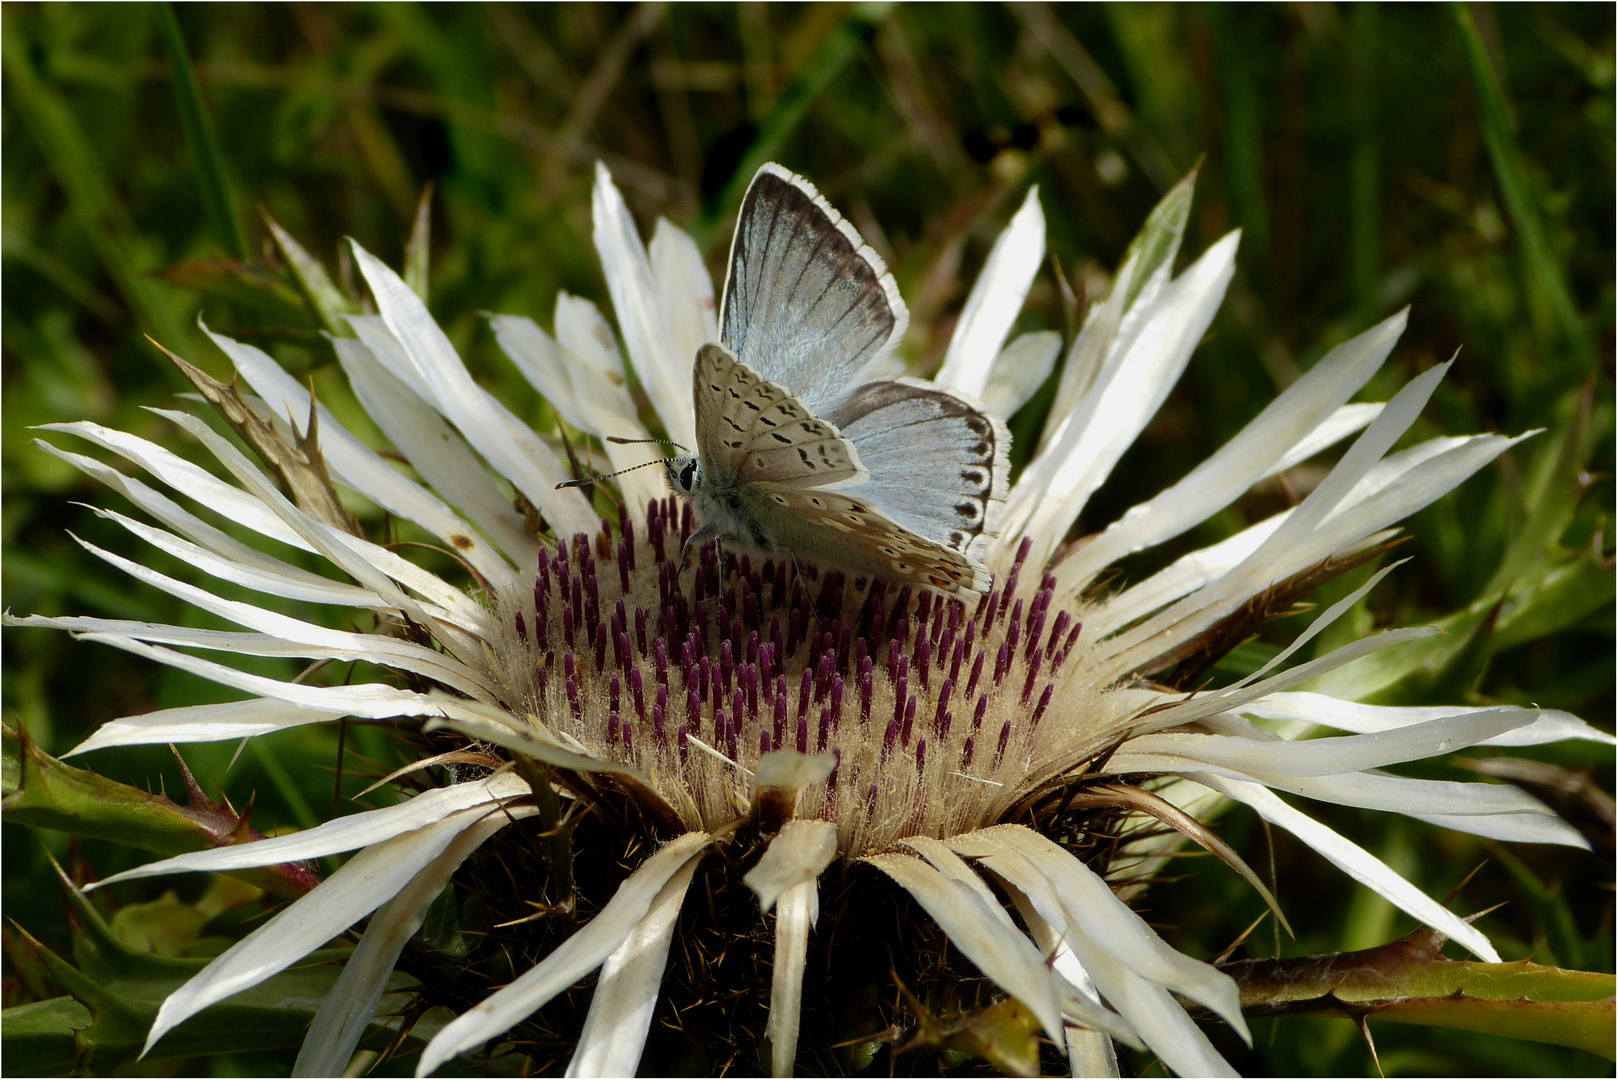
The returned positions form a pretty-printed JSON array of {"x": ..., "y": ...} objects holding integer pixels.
[{"x": 939, "y": 713}]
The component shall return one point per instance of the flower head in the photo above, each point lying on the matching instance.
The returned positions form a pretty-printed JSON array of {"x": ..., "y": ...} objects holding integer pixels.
[{"x": 830, "y": 716}]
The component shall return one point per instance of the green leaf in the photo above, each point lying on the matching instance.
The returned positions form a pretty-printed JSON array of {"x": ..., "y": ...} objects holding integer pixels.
[
  {"x": 244, "y": 284},
  {"x": 207, "y": 159},
  {"x": 1539, "y": 588},
  {"x": 117, "y": 990},
  {"x": 1150, "y": 255},
  {"x": 322, "y": 294},
  {"x": 1551, "y": 600},
  {"x": 103, "y": 1024},
  {"x": 38, "y": 1038},
  {"x": 1158, "y": 242},
  {"x": 416, "y": 249},
  {"x": 1553, "y": 506}
]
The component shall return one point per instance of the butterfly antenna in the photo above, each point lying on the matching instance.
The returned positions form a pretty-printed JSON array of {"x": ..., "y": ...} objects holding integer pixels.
[
  {"x": 588, "y": 480},
  {"x": 631, "y": 442}
]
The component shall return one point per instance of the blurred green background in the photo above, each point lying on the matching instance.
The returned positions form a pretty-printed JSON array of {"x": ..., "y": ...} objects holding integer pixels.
[{"x": 1459, "y": 160}]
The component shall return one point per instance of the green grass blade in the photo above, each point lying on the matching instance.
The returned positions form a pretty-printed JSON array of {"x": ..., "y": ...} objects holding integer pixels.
[
  {"x": 834, "y": 53},
  {"x": 87, "y": 185},
  {"x": 1365, "y": 164},
  {"x": 1516, "y": 189},
  {"x": 207, "y": 159},
  {"x": 285, "y": 785}
]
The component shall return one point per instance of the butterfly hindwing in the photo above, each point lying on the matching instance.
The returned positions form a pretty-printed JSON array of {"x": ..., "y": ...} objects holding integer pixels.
[
  {"x": 806, "y": 303},
  {"x": 753, "y": 431},
  {"x": 938, "y": 464},
  {"x": 848, "y": 530}
]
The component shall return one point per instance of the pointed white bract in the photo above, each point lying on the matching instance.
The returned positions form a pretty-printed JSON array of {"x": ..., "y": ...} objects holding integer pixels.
[
  {"x": 1354, "y": 861},
  {"x": 798, "y": 855},
  {"x": 1303, "y": 707},
  {"x": 995, "y": 301},
  {"x": 652, "y": 350},
  {"x": 341, "y": 834},
  {"x": 364, "y": 883},
  {"x": 354, "y": 463},
  {"x": 1020, "y": 370},
  {"x": 1145, "y": 1005},
  {"x": 342, "y": 1018},
  {"x": 976, "y": 924},
  {"x": 1093, "y": 918},
  {"x": 432, "y": 447},
  {"x": 1284, "y": 429},
  {"x": 685, "y": 293},
  {"x": 785, "y": 879},
  {"x": 626, "y": 993},
  {"x": 1126, "y": 395},
  {"x": 576, "y": 957},
  {"x": 490, "y": 427},
  {"x": 564, "y": 633},
  {"x": 203, "y": 723}
]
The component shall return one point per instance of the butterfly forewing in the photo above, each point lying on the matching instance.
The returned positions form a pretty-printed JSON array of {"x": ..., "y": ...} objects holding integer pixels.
[
  {"x": 806, "y": 304},
  {"x": 752, "y": 431}
]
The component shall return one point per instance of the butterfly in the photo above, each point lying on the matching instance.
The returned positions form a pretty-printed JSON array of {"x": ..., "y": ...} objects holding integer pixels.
[{"x": 802, "y": 444}]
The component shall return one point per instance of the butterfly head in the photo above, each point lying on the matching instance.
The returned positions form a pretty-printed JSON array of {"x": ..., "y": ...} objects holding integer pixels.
[{"x": 685, "y": 474}]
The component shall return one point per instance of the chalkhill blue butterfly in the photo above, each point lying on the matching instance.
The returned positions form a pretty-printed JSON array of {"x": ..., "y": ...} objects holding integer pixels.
[
  {"x": 806, "y": 443},
  {"x": 802, "y": 444}
]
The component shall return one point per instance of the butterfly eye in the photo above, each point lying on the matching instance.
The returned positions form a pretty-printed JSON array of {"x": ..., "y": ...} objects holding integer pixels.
[{"x": 688, "y": 475}]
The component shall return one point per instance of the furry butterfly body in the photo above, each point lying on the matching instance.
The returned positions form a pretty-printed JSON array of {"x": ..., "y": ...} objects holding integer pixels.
[{"x": 802, "y": 445}]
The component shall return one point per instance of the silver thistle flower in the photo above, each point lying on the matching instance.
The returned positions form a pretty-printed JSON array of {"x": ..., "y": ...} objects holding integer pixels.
[{"x": 843, "y": 717}]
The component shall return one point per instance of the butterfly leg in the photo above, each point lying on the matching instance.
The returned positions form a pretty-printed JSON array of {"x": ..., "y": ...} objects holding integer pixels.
[
  {"x": 798, "y": 570},
  {"x": 695, "y": 541}
]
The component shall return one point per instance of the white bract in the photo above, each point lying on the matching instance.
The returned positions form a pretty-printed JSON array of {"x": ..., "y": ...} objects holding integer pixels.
[{"x": 894, "y": 726}]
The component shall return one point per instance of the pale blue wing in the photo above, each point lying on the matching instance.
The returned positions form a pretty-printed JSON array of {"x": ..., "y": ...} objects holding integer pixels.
[
  {"x": 937, "y": 464},
  {"x": 806, "y": 304}
]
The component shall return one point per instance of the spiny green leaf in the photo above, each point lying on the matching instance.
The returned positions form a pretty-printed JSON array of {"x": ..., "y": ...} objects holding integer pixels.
[
  {"x": 38, "y": 1039},
  {"x": 48, "y": 794},
  {"x": 1409, "y": 981}
]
